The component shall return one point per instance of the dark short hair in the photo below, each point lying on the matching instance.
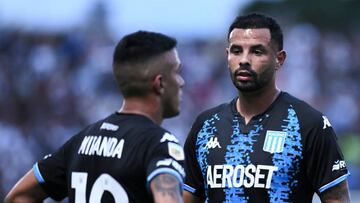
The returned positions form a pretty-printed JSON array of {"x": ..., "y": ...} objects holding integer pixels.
[
  {"x": 255, "y": 20},
  {"x": 131, "y": 57}
]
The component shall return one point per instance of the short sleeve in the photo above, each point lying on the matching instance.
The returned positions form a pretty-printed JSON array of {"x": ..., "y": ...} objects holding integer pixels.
[
  {"x": 194, "y": 182},
  {"x": 164, "y": 155},
  {"x": 51, "y": 173},
  {"x": 326, "y": 166}
]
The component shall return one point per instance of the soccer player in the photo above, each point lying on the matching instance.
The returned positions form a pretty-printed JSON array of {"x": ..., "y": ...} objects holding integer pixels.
[
  {"x": 265, "y": 145},
  {"x": 127, "y": 156}
]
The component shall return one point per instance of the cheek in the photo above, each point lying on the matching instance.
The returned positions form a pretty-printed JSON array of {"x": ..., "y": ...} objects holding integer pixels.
[
  {"x": 232, "y": 60},
  {"x": 175, "y": 85},
  {"x": 269, "y": 60},
  {"x": 264, "y": 63},
  {"x": 266, "y": 69},
  {"x": 233, "y": 63}
]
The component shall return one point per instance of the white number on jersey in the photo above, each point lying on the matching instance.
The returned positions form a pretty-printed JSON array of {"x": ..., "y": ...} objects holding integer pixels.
[{"x": 103, "y": 183}]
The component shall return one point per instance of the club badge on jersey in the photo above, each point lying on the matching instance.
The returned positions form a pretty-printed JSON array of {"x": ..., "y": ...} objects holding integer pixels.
[{"x": 274, "y": 141}]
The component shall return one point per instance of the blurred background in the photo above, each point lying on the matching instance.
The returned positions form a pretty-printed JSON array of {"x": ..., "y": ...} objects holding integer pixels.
[{"x": 56, "y": 75}]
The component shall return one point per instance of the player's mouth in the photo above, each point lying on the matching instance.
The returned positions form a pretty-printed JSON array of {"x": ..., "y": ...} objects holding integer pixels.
[{"x": 243, "y": 75}]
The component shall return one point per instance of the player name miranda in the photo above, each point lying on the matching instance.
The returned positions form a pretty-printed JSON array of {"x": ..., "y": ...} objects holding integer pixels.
[{"x": 101, "y": 146}]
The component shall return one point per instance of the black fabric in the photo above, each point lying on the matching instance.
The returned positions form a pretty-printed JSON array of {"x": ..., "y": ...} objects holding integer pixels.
[
  {"x": 284, "y": 154},
  {"x": 145, "y": 150}
]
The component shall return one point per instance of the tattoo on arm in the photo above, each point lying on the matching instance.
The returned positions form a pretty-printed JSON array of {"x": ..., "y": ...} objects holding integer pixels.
[
  {"x": 166, "y": 187},
  {"x": 338, "y": 193}
]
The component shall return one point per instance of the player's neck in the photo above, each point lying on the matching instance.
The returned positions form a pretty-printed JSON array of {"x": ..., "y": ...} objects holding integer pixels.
[
  {"x": 251, "y": 104},
  {"x": 147, "y": 106}
]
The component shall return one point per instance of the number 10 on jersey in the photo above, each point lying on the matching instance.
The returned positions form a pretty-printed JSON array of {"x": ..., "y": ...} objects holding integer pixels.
[{"x": 103, "y": 183}]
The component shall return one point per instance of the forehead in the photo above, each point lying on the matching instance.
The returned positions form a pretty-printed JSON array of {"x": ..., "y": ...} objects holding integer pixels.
[{"x": 258, "y": 35}]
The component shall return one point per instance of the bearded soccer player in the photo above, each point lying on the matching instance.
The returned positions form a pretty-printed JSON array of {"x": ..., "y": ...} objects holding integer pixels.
[
  {"x": 127, "y": 156},
  {"x": 265, "y": 145}
]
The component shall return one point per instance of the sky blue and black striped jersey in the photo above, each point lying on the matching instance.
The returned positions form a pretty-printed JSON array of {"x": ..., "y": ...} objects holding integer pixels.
[
  {"x": 282, "y": 155},
  {"x": 112, "y": 160}
]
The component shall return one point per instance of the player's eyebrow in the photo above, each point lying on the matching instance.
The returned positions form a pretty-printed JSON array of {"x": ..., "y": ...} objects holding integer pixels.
[
  {"x": 235, "y": 46},
  {"x": 259, "y": 46}
]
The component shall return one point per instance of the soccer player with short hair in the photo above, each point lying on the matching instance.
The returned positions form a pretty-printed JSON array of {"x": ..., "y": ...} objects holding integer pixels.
[
  {"x": 127, "y": 156},
  {"x": 265, "y": 145}
]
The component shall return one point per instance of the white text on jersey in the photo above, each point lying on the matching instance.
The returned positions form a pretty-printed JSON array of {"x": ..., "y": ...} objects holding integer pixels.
[
  {"x": 109, "y": 126},
  {"x": 101, "y": 146},
  {"x": 227, "y": 176}
]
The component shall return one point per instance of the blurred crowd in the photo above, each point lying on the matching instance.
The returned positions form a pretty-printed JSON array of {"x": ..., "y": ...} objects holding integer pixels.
[{"x": 54, "y": 84}]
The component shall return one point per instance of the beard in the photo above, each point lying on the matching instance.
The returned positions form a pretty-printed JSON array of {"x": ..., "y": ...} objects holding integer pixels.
[
  {"x": 257, "y": 81},
  {"x": 171, "y": 105}
]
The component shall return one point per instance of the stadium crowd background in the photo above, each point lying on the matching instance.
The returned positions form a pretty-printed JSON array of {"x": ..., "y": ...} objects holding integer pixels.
[{"x": 54, "y": 83}]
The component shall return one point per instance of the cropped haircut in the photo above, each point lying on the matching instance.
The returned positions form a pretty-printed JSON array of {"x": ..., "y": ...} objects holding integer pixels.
[
  {"x": 132, "y": 60},
  {"x": 254, "y": 21}
]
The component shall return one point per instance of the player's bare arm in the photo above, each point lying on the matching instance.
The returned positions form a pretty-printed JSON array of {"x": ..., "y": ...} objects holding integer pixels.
[
  {"x": 26, "y": 190},
  {"x": 166, "y": 188},
  {"x": 190, "y": 198},
  {"x": 336, "y": 194}
]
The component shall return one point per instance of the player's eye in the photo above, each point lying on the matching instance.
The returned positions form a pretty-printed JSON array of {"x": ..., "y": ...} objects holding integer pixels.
[
  {"x": 258, "y": 52},
  {"x": 235, "y": 50}
]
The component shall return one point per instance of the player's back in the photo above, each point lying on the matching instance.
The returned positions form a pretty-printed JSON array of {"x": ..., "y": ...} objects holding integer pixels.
[{"x": 109, "y": 161}]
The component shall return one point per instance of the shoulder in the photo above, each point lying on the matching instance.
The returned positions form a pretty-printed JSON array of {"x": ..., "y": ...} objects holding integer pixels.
[
  {"x": 104, "y": 126},
  {"x": 302, "y": 108},
  {"x": 208, "y": 117},
  {"x": 154, "y": 135},
  {"x": 222, "y": 110},
  {"x": 306, "y": 114},
  {"x": 158, "y": 141},
  {"x": 159, "y": 133}
]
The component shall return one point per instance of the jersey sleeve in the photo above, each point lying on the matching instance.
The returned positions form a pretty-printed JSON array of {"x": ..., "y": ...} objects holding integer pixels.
[
  {"x": 164, "y": 155},
  {"x": 51, "y": 173},
  {"x": 326, "y": 166},
  {"x": 194, "y": 182}
]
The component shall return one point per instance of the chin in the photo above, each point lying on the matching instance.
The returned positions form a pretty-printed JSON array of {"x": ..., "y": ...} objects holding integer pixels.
[
  {"x": 246, "y": 87},
  {"x": 172, "y": 113},
  {"x": 242, "y": 89}
]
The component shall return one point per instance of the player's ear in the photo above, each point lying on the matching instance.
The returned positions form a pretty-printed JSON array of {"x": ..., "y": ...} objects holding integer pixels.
[
  {"x": 158, "y": 84},
  {"x": 280, "y": 59}
]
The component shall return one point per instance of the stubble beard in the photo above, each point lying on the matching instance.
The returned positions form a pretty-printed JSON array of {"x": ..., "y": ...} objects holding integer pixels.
[
  {"x": 258, "y": 81},
  {"x": 171, "y": 107}
]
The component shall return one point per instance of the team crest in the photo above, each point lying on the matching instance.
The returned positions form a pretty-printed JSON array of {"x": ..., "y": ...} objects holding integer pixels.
[{"x": 274, "y": 141}]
